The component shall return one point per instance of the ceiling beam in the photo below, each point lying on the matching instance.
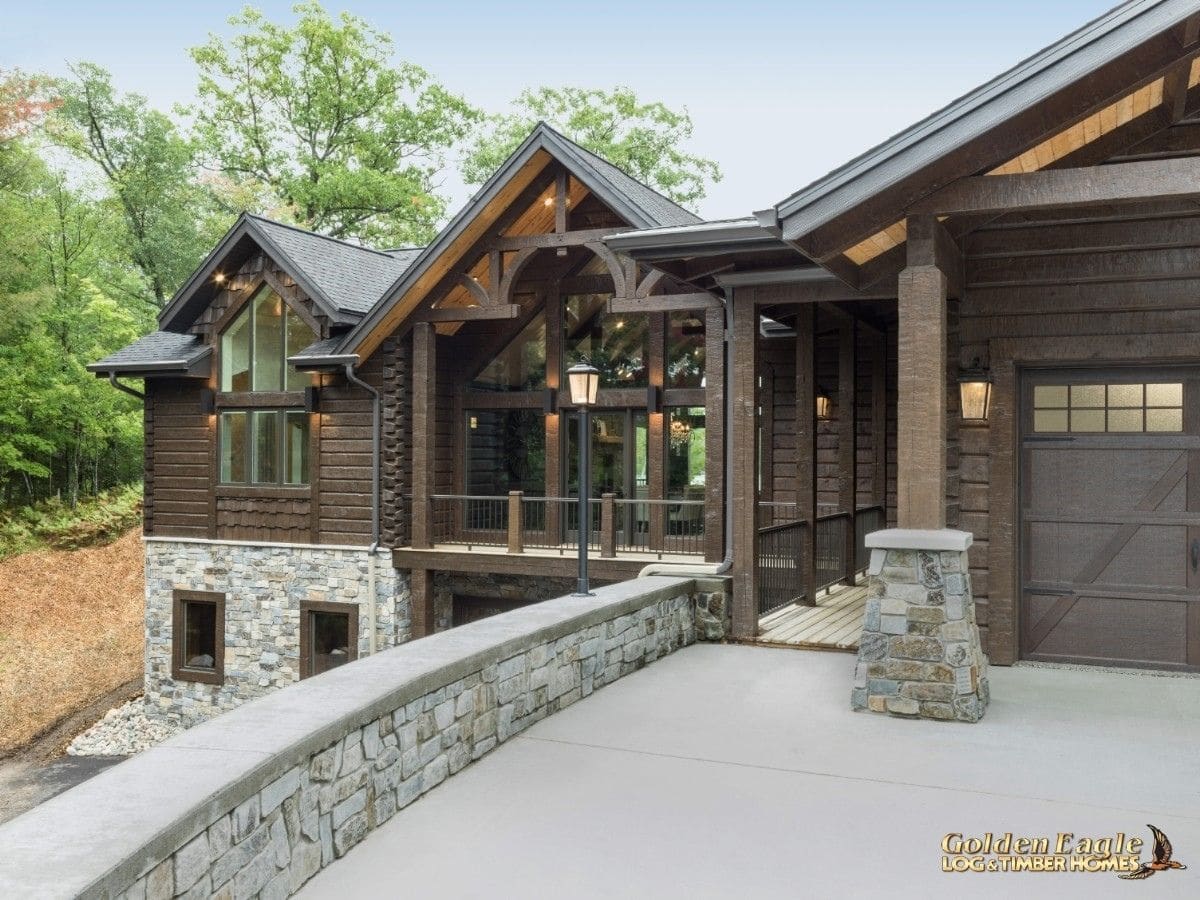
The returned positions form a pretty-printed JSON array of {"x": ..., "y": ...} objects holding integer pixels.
[{"x": 1161, "y": 179}]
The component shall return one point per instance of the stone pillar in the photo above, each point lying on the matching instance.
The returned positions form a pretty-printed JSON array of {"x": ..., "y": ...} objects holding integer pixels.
[{"x": 920, "y": 655}]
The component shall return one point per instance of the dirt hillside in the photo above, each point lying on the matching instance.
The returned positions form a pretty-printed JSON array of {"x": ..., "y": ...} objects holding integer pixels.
[{"x": 71, "y": 630}]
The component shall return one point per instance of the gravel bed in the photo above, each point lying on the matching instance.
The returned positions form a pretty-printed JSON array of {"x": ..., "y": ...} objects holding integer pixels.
[{"x": 123, "y": 731}]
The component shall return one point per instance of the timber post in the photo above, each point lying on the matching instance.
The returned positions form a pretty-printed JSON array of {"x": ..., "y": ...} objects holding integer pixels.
[
  {"x": 608, "y": 526},
  {"x": 516, "y": 529},
  {"x": 745, "y": 467}
]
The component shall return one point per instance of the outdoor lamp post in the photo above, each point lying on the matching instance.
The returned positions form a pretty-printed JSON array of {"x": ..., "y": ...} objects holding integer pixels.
[{"x": 584, "y": 382}]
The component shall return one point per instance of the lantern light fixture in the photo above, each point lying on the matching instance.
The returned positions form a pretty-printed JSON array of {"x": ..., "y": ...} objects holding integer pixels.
[
  {"x": 975, "y": 392},
  {"x": 584, "y": 382},
  {"x": 824, "y": 404}
]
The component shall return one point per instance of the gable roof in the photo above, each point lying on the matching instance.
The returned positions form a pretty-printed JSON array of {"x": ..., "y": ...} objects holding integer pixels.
[
  {"x": 1034, "y": 80},
  {"x": 344, "y": 280},
  {"x": 638, "y": 204}
]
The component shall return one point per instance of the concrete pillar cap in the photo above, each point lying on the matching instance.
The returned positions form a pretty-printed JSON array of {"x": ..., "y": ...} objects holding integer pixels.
[{"x": 919, "y": 539}]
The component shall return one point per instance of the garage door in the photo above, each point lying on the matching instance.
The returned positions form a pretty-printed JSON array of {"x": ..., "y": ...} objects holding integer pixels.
[{"x": 1110, "y": 517}]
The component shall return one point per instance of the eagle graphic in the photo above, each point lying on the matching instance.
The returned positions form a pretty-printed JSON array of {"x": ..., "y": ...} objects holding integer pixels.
[{"x": 1162, "y": 858}]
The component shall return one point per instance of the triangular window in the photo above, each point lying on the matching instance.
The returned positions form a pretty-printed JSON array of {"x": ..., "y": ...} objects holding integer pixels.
[{"x": 521, "y": 365}]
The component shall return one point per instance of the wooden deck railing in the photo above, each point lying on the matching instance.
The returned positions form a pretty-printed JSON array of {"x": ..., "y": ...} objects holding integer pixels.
[{"x": 520, "y": 523}]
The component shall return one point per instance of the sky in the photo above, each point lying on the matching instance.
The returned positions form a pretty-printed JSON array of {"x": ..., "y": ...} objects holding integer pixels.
[{"x": 779, "y": 92}]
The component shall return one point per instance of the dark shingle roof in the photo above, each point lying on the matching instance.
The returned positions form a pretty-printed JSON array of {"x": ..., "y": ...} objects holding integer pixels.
[
  {"x": 318, "y": 350},
  {"x": 661, "y": 210},
  {"x": 351, "y": 278},
  {"x": 157, "y": 351}
]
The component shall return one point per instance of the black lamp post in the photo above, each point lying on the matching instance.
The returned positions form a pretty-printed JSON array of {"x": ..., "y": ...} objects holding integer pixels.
[{"x": 584, "y": 383}]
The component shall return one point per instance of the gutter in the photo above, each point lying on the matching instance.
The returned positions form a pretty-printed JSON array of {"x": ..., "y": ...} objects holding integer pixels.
[
  {"x": 124, "y": 388},
  {"x": 376, "y": 495},
  {"x": 726, "y": 564}
]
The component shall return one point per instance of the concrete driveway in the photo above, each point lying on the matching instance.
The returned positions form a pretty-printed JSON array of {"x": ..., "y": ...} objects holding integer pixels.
[{"x": 734, "y": 771}]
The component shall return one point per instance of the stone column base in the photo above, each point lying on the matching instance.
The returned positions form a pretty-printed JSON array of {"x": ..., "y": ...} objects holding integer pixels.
[{"x": 919, "y": 655}]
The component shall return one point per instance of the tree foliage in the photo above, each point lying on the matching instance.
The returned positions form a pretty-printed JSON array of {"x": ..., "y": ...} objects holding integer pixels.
[
  {"x": 150, "y": 168},
  {"x": 318, "y": 115},
  {"x": 644, "y": 139}
]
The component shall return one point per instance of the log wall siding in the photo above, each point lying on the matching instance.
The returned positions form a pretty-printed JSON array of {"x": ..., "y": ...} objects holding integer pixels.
[
  {"x": 344, "y": 460},
  {"x": 178, "y": 460},
  {"x": 1045, "y": 293},
  {"x": 396, "y": 475}
]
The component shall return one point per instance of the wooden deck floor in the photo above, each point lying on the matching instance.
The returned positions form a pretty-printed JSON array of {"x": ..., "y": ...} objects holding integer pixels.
[{"x": 835, "y": 623}]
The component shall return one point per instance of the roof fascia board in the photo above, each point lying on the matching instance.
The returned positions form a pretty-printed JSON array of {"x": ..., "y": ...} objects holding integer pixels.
[
  {"x": 594, "y": 181},
  {"x": 1027, "y": 84}
]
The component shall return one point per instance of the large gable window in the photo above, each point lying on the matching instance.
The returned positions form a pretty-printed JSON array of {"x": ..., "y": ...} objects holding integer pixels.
[
  {"x": 255, "y": 347},
  {"x": 268, "y": 443}
]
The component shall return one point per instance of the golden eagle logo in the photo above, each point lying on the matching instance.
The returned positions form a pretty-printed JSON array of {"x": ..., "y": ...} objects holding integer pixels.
[{"x": 1161, "y": 861}]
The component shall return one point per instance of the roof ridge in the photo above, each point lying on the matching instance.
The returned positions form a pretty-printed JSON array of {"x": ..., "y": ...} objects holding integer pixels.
[
  {"x": 309, "y": 233},
  {"x": 607, "y": 162}
]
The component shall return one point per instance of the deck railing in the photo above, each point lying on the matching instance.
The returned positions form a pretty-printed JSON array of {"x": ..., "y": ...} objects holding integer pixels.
[
  {"x": 618, "y": 526},
  {"x": 781, "y": 567}
]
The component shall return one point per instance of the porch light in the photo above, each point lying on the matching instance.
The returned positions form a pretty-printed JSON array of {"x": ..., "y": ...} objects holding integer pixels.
[
  {"x": 824, "y": 404},
  {"x": 975, "y": 392},
  {"x": 584, "y": 381}
]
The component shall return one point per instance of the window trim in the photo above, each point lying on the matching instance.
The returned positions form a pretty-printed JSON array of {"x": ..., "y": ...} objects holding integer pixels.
[
  {"x": 179, "y": 671},
  {"x": 307, "y": 607},
  {"x": 281, "y": 461}
]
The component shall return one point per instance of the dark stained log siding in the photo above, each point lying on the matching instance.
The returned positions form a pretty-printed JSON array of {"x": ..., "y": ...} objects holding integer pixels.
[{"x": 178, "y": 460}]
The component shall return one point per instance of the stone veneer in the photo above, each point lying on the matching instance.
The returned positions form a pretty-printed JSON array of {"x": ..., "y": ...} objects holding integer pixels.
[
  {"x": 253, "y": 803},
  {"x": 920, "y": 655},
  {"x": 263, "y": 585}
]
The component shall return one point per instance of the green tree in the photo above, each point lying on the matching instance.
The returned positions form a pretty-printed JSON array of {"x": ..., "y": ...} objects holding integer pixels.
[
  {"x": 318, "y": 116},
  {"x": 149, "y": 167},
  {"x": 643, "y": 139}
]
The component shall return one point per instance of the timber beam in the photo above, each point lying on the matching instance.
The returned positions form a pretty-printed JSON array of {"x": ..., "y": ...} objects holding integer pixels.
[
  {"x": 468, "y": 313},
  {"x": 664, "y": 303},
  {"x": 554, "y": 239},
  {"x": 1128, "y": 182}
]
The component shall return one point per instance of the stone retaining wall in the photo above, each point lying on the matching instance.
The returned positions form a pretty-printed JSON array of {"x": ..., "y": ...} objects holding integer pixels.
[
  {"x": 254, "y": 802},
  {"x": 263, "y": 585}
]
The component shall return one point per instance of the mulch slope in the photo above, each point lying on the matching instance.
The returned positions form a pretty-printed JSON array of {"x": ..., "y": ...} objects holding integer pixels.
[{"x": 71, "y": 631}]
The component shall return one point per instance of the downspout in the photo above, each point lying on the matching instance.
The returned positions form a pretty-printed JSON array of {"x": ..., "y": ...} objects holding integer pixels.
[
  {"x": 376, "y": 401},
  {"x": 726, "y": 564},
  {"x": 124, "y": 388}
]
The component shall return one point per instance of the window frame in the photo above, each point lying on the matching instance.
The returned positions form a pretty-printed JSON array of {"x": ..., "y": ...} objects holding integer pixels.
[
  {"x": 281, "y": 402},
  {"x": 307, "y": 608},
  {"x": 180, "y": 599}
]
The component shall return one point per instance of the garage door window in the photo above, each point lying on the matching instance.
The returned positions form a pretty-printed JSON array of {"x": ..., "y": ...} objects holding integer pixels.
[{"x": 1111, "y": 408}]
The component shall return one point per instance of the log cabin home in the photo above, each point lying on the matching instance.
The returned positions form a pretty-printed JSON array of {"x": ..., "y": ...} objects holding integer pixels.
[{"x": 982, "y": 335}]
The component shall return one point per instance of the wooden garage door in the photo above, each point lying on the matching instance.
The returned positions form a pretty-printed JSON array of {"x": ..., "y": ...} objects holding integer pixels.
[{"x": 1110, "y": 521}]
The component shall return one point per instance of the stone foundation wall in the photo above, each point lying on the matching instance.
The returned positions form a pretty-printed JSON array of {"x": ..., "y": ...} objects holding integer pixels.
[
  {"x": 281, "y": 787},
  {"x": 263, "y": 585}
]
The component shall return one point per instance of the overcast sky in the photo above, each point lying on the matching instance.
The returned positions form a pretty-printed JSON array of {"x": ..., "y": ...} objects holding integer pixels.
[{"x": 780, "y": 92}]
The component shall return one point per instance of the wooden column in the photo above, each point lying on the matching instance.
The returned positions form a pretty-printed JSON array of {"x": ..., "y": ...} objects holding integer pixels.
[
  {"x": 423, "y": 617},
  {"x": 921, "y": 394},
  {"x": 806, "y": 448},
  {"x": 879, "y": 420},
  {"x": 745, "y": 466},
  {"x": 555, "y": 429},
  {"x": 848, "y": 435},
  {"x": 656, "y": 439},
  {"x": 424, "y": 432},
  {"x": 714, "y": 435}
]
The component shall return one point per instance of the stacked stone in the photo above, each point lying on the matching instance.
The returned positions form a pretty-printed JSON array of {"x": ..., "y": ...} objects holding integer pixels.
[
  {"x": 920, "y": 654},
  {"x": 274, "y": 840},
  {"x": 263, "y": 586},
  {"x": 713, "y": 612}
]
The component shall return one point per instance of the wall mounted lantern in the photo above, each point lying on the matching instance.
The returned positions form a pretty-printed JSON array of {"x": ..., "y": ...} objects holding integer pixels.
[
  {"x": 584, "y": 382},
  {"x": 824, "y": 404},
  {"x": 975, "y": 392}
]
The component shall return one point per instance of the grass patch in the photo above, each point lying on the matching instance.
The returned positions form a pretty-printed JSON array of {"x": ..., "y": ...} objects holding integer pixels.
[{"x": 55, "y": 525}]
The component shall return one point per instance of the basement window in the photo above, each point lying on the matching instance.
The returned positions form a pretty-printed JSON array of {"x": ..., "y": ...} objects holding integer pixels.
[
  {"x": 328, "y": 636},
  {"x": 198, "y": 637}
]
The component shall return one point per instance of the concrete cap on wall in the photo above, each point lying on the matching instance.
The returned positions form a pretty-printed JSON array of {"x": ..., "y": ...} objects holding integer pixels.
[{"x": 920, "y": 539}]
